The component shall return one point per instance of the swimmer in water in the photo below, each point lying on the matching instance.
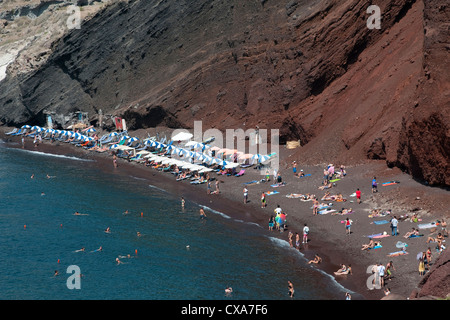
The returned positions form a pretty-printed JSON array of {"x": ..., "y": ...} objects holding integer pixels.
[
  {"x": 228, "y": 290},
  {"x": 291, "y": 289},
  {"x": 108, "y": 230},
  {"x": 202, "y": 213},
  {"x": 80, "y": 250},
  {"x": 118, "y": 261},
  {"x": 99, "y": 249},
  {"x": 138, "y": 234}
]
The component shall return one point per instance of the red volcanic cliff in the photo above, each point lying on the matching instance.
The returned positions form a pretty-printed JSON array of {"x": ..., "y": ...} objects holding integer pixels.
[{"x": 311, "y": 68}]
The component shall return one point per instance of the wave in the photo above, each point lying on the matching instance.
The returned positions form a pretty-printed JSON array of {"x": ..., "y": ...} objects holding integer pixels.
[
  {"x": 215, "y": 211},
  {"x": 40, "y": 153},
  {"x": 155, "y": 187}
]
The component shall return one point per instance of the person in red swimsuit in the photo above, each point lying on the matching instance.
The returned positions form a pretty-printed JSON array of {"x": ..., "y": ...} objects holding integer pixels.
[{"x": 358, "y": 195}]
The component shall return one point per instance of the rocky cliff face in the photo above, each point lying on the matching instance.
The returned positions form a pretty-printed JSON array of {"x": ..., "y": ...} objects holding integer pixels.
[{"x": 312, "y": 69}]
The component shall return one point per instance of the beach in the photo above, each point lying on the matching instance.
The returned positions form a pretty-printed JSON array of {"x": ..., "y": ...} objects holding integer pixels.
[{"x": 327, "y": 236}]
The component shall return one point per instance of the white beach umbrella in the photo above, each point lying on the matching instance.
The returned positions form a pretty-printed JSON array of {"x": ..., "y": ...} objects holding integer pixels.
[{"x": 182, "y": 136}]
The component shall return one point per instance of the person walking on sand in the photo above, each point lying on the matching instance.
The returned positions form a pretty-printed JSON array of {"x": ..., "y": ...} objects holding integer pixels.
[{"x": 358, "y": 196}]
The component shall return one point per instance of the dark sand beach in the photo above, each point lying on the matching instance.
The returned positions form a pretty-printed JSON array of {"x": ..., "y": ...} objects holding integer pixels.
[{"x": 327, "y": 236}]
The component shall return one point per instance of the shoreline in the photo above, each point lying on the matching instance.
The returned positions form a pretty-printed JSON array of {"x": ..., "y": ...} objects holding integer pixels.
[{"x": 326, "y": 239}]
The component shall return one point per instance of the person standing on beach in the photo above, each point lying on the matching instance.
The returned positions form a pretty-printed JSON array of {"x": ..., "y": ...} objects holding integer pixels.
[
  {"x": 294, "y": 167},
  {"x": 315, "y": 206},
  {"x": 305, "y": 233},
  {"x": 23, "y": 142},
  {"x": 245, "y": 195},
  {"x": 358, "y": 196},
  {"x": 394, "y": 225},
  {"x": 115, "y": 161},
  {"x": 348, "y": 224},
  {"x": 263, "y": 200},
  {"x": 374, "y": 185},
  {"x": 202, "y": 213}
]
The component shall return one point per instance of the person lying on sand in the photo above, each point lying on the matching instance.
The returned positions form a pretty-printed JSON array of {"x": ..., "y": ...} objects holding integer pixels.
[
  {"x": 413, "y": 232},
  {"x": 344, "y": 270},
  {"x": 342, "y": 212},
  {"x": 316, "y": 260},
  {"x": 327, "y": 186},
  {"x": 372, "y": 244}
]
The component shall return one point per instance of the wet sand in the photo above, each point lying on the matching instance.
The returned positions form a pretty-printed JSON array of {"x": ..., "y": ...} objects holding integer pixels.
[{"x": 327, "y": 236}]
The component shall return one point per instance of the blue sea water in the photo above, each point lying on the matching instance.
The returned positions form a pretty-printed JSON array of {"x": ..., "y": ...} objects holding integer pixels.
[{"x": 179, "y": 256}]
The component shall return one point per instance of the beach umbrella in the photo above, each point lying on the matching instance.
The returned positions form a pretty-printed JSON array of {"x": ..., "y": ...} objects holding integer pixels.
[
  {"x": 231, "y": 165},
  {"x": 114, "y": 146},
  {"x": 220, "y": 162},
  {"x": 91, "y": 130},
  {"x": 257, "y": 157},
  {"x": 182, "y": 136},
  {"x": 35, "y": 127}
]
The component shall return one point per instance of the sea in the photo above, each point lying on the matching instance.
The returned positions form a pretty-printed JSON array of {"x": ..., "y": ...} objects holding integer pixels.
[{"x": 176, "y": 255}]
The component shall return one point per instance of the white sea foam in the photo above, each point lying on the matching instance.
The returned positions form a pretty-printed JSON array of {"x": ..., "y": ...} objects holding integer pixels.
[
  {"x": 54, "y": 155},
  {"x": 155, "y": 187},
  {"x": 216, "y": 212}
]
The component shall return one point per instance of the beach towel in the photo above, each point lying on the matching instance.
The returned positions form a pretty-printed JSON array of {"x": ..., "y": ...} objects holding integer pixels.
[
  {"x": 389, "y": 183},
  {"x": 426, "y": 225},
  {"x": 397, "y": 253},
  {"x": 415, "y": 236},
  {"x": 376, "y": 247},
  {"x": 269, "y": 193},
  {"x": 306, "y": 175},
  {"x": 326, "y": 211},
  {"x": 335, "y": 180},
  {"x": 251, "y": 182},
  {"x": 278, "y": 185},
  {"x": 381, "y": 222}
]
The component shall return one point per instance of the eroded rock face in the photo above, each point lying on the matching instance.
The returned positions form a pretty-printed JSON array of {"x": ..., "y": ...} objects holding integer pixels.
[
  {"x": 309, "y": 68},
  {"x": 436, "y": 283}
]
